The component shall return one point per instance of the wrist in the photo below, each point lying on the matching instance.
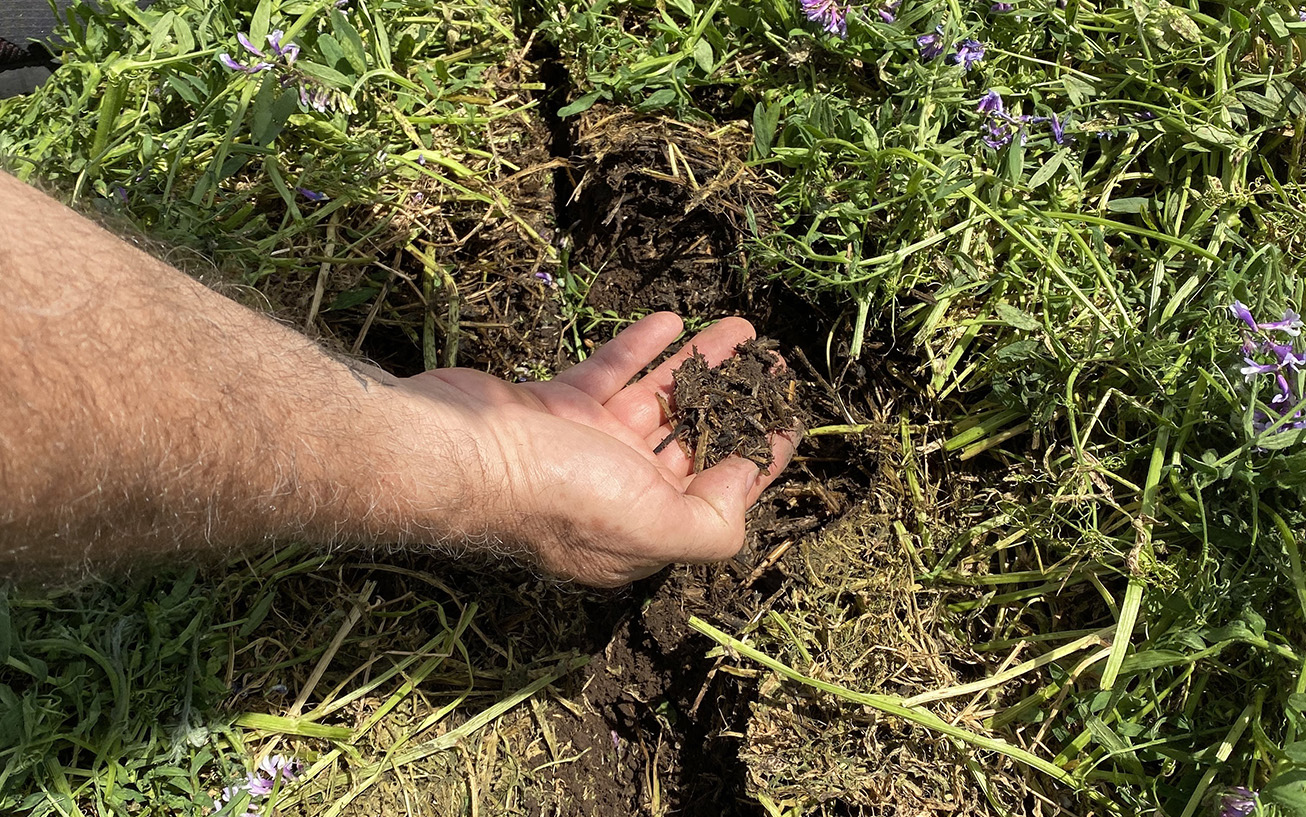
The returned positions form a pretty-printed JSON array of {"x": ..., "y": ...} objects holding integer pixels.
[{"x": 410, "y": 471}]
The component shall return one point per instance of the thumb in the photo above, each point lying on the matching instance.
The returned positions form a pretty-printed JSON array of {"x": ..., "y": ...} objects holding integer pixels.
[{"x": 718, "y": 499}]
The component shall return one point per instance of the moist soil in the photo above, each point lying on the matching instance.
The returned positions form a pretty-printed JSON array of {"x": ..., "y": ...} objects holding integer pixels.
[{"x": 735, "y": 407}]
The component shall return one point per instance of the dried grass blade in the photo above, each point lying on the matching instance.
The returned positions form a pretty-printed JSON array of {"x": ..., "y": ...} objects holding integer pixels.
[
  {"x": 1093, "y": 639},
  {"x": 891, "y": 706}
]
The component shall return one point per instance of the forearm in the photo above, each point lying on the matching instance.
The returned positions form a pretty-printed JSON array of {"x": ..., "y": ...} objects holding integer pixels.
[{"x": 140, "y": 411}]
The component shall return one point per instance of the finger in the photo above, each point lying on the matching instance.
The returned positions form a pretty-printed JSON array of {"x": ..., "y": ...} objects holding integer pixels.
[
  {"x": 714, "y": 505},
  {"x": 782, "y": 449},
  {"x": 609, "y": 369},
  {"x": 716, "y": 343},
  {"x": 637, "y": 404},
  {"x": 680, "y": 464}
]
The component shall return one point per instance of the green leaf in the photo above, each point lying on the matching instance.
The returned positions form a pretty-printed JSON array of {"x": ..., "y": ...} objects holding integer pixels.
[
  {"x": 1015, "y": 161},
  {"x": 1019, "y": 350},
  {"x": 381, "y": 42},
  {"x": 271, "y": 108},
  {"x": 1277, "y": 26},
  {"x": 657, "y": 99},
  {"x": 258, "y": 613},
  {"x": 703, "y": 55},
  {"x": 189, "y": 88},
  {"x": 765, "y": 119},
  {"x": 1177, "y": 27},
  {"x": 1044, "y": 173},
  {"x": 1296, "y": 752},
  {"x": 333, "y": 54},
  {"x": 1153, "y": 659},
  {"x": 353, "y": 297},
  {"x": 1260, "y": 103},
  {"x": 6, "y": 627},
  {"x": 580, "y": 105},
  {"x": 322, "y": 73},
  {"x": 350, "y": 41},
  {"x": 1287, "y": 790},
  {"x": 1133, "y": 204},
  {"x": 185, "y": 37},
  {"x": 259, "y": 24},
  {"x": 1017, "y": 318},
  {"x": 161, "y": 33},
  {"x": 1281, "y": 439},
  {"x": 1078, "y": 89}
]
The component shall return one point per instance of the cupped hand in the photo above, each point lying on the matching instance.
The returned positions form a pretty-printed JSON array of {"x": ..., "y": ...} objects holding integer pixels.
[{"x": 569, "y": 469}]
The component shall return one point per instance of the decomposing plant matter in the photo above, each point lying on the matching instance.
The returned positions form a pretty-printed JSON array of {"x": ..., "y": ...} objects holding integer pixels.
[{"x": 735, "y": 407}]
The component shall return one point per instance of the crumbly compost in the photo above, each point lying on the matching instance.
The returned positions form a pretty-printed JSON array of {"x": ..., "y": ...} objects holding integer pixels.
[{"x": 735, "y": 407}]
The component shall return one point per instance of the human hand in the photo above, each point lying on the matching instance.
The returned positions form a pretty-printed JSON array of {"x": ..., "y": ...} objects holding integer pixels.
[{"x": 569, "y": 469}]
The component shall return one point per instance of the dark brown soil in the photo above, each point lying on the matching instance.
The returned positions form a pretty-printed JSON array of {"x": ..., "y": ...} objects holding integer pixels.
[
  {"x": 734, "y": 407},
  {"x": 657, "y": 213}
]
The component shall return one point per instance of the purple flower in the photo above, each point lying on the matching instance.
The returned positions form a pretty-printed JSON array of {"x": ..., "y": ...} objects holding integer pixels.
[
  {"x": 287, "y": 767},
  {"x": 1001, "y": 8},
  {"x": 315, "y": 97},
  {"x": 545, "y": 277},
  {"x": 289, "y": 51},
  {"x": 260, "y": 782},
  {"x": 258, "y": 785},
  {"x": 312, "y": 195},
  {"x": 1284, "y": 353},
  {"x": 249, "y": 46},
  {"x": 990, "y": 103},
  {"x": 1291, "y": 323},
  {"x": 1244, "y": 314},
  {"x": 1253, "y": 368},
  {"x": 1265, "y": 356},
  {"x": 999, "y": 126},
  {"x": 969, "y": 52},
  {"x": 998, "y": 133},
  {"x": 829, "y": 13},
  {"x": 1058, "y": 130},
  {"x": 930, "y": 45},
  {"x": 232, "y": 65},
  {"x": 887, "y": 11},
  {"x": 1261, "y": 423},
  {"x": 1237, "y": 802},
  {"x": 1285, "y": 394},
  {"x": 1301, "y": 15}
]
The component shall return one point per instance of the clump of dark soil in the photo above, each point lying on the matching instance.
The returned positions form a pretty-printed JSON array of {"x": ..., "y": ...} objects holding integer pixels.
[
  {"x": 657, "y": 217},
  {"x": 734, "y": 407}
]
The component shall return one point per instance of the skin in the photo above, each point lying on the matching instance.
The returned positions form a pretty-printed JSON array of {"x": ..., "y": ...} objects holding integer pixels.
[{"x": 143, "y": 415}]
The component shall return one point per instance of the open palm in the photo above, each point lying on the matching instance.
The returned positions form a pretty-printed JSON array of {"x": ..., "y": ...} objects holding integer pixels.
[{"x": 570, "y": 466}]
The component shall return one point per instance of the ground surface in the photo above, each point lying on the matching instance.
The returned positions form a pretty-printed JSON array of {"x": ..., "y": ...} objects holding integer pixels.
[
  {"x": 1039, "y": 553},
  {"x": 652, "y": 724}
]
